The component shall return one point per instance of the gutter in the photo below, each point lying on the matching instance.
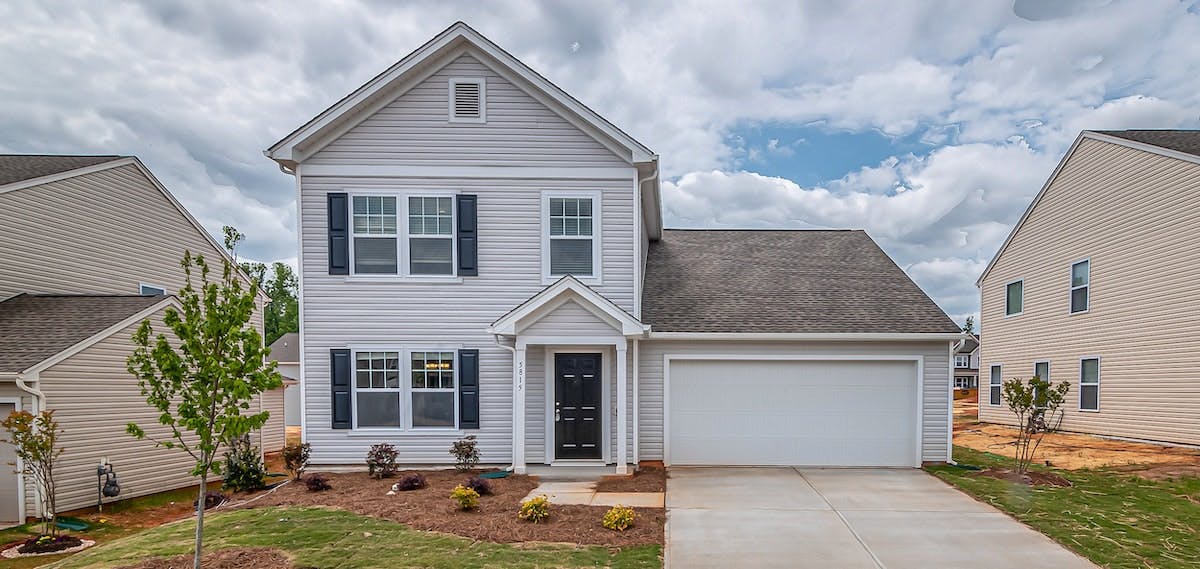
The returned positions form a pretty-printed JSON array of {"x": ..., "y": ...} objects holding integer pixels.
[
  {"x": 851, "y": 336},
  {"x": 35, "y": 393}
]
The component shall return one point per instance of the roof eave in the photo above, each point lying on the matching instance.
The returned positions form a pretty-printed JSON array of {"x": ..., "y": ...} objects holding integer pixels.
[{"x": 812, "y": 336}]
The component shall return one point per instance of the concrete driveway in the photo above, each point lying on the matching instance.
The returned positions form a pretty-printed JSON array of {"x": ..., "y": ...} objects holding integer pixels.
[{"x": 844, "y": 518}]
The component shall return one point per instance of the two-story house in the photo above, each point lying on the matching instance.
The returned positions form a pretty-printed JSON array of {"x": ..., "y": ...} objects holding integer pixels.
[
  {"x": 966, "y": 363},
  {"x": 1094, "y": 287},
  {"x": 90, "y": 247},
  {"x": 481, "y": 254}
]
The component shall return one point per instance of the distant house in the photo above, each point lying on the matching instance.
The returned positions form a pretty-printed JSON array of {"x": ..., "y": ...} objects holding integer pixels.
[
  {"x": 286, "y": 352},
  {"x": 89, "y": 247},
  {"x": 966, "y": 364},
  {"x": 1095, "y": 287}
]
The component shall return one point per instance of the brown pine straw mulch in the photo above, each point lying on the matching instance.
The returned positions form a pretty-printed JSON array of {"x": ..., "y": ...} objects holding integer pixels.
[
  {"x": 232, "y": 558},
  {"x": 1030, "y": 478},
  {"x": 646, "y": 479},
  {"x": 431, "y": 509}
]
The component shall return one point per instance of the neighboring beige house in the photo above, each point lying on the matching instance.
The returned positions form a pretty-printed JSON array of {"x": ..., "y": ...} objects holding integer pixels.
[
  {"x": 966, "y": 364},
  {"x": 1095, "y": 287},
  {"x": 90, "y": 247}
]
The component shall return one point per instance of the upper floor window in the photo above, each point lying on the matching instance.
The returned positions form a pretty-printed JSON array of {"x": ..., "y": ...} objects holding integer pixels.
[
  {"x": 468, "y": 99},
  {"x": 962, "y": 360},
  {"x": 417, "y": 229},
  {"x": 431, "y": 235},
  {"x": 1081, "y": 278},
  {"x": 571, "y": 235},
  {"x": 1014, "y": 298},
  {"x": 1089, "y": 384},
  {"x": 151, "y": 290},
  {"x": 374, "y": 223}
]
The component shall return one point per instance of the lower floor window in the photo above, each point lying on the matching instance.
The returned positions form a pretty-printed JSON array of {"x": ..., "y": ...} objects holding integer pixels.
[
  {"x": 1089, "y": 384},
  {"x": 382, "y": 400},
  {"x": 433, "y": 389},
  {"x": 994, "y": 386},
  {"x": 965, "y": 383}
]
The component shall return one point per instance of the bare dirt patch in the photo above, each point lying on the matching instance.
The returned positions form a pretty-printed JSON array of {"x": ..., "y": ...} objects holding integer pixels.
[
  {"x": 1073, "y": 451},
  {"x": 431, "y": 509},
  {"x": 233, "y": 558},
  {"x": 646, "y": 479},
  {"x": 1031, "y": 478},
  {"x": 1168, "y": 471}
]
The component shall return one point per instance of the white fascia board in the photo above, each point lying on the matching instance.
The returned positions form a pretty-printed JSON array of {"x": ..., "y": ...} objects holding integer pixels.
[
  {"x": 87, "y": 342},
  {"x": 459, "y": 172},
  {"x": 804, "y": 336},
  {"x": 507, "y": 325}
]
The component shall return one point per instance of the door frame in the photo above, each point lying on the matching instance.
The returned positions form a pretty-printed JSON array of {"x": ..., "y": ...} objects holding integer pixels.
[
  {"x": 920, "y": 390},
  {"x": 20, "y": 467},
  {"x": 606, "y": 395}
]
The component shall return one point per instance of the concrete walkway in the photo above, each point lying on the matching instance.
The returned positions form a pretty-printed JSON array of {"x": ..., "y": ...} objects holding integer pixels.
[
  {"x": 585, "y": 494},
  {"x": 845, "y": 518}
]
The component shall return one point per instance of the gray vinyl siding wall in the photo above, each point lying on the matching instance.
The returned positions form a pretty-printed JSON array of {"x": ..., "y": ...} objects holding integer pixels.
[
  {"x": 1134, "y": 214},
  {"x": 935, "y": 397},
  {"x": 569, "y": 319},
  {"x": 9, "y": 389}
]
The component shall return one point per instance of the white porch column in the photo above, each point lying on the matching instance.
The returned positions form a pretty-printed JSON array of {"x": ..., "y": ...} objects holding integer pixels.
[
  {"x": 622, "y": 410},
  {"x": 518, "y": 420}
]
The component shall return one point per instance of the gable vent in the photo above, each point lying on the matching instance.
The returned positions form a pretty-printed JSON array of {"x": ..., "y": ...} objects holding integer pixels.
[{"x": 467, "y": 100}]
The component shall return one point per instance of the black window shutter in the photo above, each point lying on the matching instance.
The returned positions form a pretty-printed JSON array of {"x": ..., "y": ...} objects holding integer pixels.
[
  {"x": 339, "y": 381},
  {"x": 468, "y": 236},
  {"x": 339, "y": 234},
  {"x": 468, "y": 389}
]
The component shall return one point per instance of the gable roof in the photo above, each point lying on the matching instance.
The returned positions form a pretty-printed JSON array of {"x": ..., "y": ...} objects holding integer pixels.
[
  {"x": 286, "y": 348},
  {"x": 969, "y": 345},
  {"x": 386, "y": 86},
  {"x": 782, "y": 282},
  {"x": 568, "y": 287},
  {"x": 35, "y": 327},
  {"x": 1185, "y": 141},
  {"x": 21, "y": 167}
]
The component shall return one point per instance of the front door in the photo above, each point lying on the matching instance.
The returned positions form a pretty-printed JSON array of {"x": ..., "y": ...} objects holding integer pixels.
[{"x": 577, "y": 418}]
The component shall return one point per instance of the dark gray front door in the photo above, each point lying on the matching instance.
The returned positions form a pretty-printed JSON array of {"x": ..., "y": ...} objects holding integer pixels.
[{"x": 577, "y": 419}]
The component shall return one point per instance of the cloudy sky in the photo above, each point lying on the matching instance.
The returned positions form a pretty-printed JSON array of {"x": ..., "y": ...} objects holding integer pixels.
[{"x": 931, "y": 124}]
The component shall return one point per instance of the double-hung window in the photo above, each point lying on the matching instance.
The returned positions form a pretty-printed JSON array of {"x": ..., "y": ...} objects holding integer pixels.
[
  {"x": 431, "y": 235},
  {"x": 1089, "y": 384},
  {"x": 374, "y": 224},
  {"x": 572, "y": 235},
  {"x": 429, "y": 399},
  {"x": 377, "y": 389},
  {"x": 1081, "y": 278},
  {"x": 994, "y": 385},
  {"x": 433, "y": 394},
  {"x": 1014, "y": 298},
  {"x": 962, "y": 360}
]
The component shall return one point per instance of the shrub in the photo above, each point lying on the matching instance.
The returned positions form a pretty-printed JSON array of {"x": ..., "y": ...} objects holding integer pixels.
[
  {"x": 381, "y": 460},
  {"x": 619, "y": 518},
  {"x": 1038, "y": 408},
  {"x": 466, "y": 498},
  {"x": 295, "y": 459},
  {"x": 479, "y": 485},
  {"x": 317, "y": 483},
  {"x": 465, "y": 452},
  {"x": 212, "y": 500},
  {"x": 535, "y": 510},
  {"x": 413, "y": 481},
  {"x": 244, "y": 469}
]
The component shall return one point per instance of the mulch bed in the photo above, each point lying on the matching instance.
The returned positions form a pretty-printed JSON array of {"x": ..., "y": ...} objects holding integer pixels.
[
  {"x": 1030, "y": 478},
  {"x": 646, "y": 479},
  {"x": 431, "y": 509},
  {"x": 233, "y": 558}
]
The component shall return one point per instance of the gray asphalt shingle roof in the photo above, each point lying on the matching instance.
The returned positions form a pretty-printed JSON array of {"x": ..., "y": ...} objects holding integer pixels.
[
  {"x": 810, "y": 281},
  {"x": 21, "y": 167},
  {"x": 34, "y": 327},
  {"x": 286, "y": 348},
  {"x": 1186, "y": 141}
]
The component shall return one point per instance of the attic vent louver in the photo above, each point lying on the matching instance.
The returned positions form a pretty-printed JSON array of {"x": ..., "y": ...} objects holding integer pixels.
[{"x": 467, "y": 98}]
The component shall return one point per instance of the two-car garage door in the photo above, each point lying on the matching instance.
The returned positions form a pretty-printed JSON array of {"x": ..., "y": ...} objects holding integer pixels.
[{"x": 789, "y": 412}]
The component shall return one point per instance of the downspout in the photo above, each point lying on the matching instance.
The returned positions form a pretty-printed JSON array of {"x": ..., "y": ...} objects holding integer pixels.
[
  {"x": 637, "y": 293},
  {"x": 637, "y": 458},
  {"x": 512, "y": 350},
  {"x": 37, "y": 397}
]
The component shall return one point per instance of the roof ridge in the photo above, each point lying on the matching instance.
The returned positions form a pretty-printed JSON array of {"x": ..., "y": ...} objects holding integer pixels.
[{"x": 65, "y": 155}]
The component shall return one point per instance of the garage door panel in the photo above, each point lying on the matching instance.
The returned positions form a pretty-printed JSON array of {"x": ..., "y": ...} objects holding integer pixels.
[{"x": 769, "y": 412}]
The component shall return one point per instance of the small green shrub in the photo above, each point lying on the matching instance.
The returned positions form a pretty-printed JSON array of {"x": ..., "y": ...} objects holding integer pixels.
[
  {"x": 244, "y": 469},
  {"x": 465, "y": 452},
  {"x": 619, "y": 518},
  {"x": 535, "y": 509},
  {"x": 295, "y": 459},
  {"x": 466, "y": 498},
  {"x": 381, "y": 461}
]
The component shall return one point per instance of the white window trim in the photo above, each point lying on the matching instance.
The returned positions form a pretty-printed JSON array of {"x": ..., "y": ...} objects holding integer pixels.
[
  {"x": 968, "y": 360},
  {"x": 405, "y": 254},
  {"x": 405, "y": 389},
  {"x": 1097, "y": 384},
  {"x": 402, "y": 236},
  {"x": 1048, "y": 371},
  {"x": 1088, "y": 286},
  {"x": 1000, "y": 399},
  {"x": 597, "y": 238},
  {"x": 145, "y": 285},
  {"x": 1006, "y": 285},
  {"x": 482, "y": 83}
]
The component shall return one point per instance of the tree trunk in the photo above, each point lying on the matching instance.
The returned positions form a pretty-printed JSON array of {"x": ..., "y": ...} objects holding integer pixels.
[{"x": 200, "y": 503}]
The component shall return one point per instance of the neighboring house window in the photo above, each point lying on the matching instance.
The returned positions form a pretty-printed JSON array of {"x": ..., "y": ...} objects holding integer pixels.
[
  {"x": 1014, "y": 298},
  {"x": 1089, "y": 384},
  {"x": 994, "y": 386},
  {"x": 151, "y": 290},
  {"x": 1042, "y": 370},
  {"x": 377, "y": 389},
  {"x": 374, "y": 224},
  {"x": 433, "y": 394},
  {"x": 1081, "y": 278},
  {"x": 572, "y": 228},
  {"x": 962, "y": 361},
  {"x": 431, "y": 235},
  {"x": 468, "y": 100}
]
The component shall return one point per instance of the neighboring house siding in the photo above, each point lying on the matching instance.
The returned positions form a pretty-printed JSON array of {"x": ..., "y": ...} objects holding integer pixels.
[
  {"x": 103, "y": 232},
  {"x": 273, "y": 432},
  {"x": 414, "y": 130},
  {"x": 935, "y": 397},
  {"x": 1134, "y": 214}
]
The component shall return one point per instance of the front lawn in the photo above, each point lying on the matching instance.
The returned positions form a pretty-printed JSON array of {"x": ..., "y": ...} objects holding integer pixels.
[
  {"x": 1115, "y": 519},
  {"x": 327, "y": 538}
]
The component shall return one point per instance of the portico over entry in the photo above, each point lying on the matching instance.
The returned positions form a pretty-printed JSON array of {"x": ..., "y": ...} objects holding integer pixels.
[{"x": 571, "y": 377}]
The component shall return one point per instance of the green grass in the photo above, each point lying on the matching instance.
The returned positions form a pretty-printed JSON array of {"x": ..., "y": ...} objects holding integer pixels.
[
  {"x": 336, "y": 539},
  {"x": 1115, "y": 519}
]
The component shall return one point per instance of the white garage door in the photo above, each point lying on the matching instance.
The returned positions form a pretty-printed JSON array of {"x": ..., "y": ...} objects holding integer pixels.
[{"x": 816, "y": 413}]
